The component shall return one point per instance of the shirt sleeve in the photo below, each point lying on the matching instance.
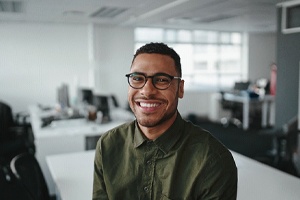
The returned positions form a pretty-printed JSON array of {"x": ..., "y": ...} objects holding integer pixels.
[
  {"x": 99, "y": 189},
  {"x": 220, "y": 178}
]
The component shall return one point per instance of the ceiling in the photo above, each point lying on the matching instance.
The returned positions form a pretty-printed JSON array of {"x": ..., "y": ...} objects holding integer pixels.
[{"x": 228, "y": 15}]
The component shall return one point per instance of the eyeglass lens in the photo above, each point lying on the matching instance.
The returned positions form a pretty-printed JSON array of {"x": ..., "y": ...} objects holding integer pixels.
[{"x": 159, "y": 81}]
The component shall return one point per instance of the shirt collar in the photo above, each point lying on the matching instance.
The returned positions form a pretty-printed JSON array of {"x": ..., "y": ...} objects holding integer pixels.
[
  {"x": 139, "y": 137},
  {"x": 167, "y": 140}
]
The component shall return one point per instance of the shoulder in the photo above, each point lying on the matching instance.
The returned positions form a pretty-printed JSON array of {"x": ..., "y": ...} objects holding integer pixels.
[
  {"x": 118, "y": 131},
  {"x": 115, "y": 143},
  {"x": 118, "y": 137},
  {"x": 204, "y": 143},
  {"x": 197, "y": 135}
]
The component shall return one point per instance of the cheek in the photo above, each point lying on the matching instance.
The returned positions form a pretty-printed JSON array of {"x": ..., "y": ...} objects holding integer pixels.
[
  {"x": 130, "y": 95},
  {"x": 171, "y": 95}
]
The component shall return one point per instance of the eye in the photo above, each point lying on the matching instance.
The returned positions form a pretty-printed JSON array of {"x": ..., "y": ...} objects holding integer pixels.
[
  {"x": 162, "y": 80},
  {"x": 138, "y": 78}
]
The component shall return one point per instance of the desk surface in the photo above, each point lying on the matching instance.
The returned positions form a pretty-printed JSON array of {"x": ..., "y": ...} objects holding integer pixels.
[
  {"x": 71, "y": 127},
  {"x": 267, "y": 102},
  {"x": 246, "y": 98},
  {"x": 73, "y": 175}
]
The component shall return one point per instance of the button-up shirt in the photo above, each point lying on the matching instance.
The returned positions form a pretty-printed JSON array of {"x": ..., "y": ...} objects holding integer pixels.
[{"x": 185, "y": 162}]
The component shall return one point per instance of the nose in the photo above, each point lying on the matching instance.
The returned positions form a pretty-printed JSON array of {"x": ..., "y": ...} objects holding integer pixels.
[{"x": 148, "y": 88}]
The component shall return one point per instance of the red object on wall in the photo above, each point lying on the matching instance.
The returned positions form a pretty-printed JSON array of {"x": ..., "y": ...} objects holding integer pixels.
[{"x": 273, "y": 79}]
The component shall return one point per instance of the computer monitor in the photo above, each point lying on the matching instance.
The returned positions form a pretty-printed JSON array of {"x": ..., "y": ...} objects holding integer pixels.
[
  {"x": 101, "y": 103},
  {"x": 85, "y": 96},
  {"x": 239, "y": 86},
  {"x": 63, "y": 96}
]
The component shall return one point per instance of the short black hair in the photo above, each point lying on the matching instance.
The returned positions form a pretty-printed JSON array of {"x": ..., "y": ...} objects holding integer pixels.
[{"x": 160, "y": 48}]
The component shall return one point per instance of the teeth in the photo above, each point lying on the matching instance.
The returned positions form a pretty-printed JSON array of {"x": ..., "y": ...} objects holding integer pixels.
[{"x": 148, "y": 105}]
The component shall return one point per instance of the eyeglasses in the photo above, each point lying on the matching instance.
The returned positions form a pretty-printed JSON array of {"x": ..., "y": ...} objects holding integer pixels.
[{"x": 160, "y": 81}]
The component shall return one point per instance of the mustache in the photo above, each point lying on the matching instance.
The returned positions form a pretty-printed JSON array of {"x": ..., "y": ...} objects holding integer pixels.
[{"x": 148, "y": 98}]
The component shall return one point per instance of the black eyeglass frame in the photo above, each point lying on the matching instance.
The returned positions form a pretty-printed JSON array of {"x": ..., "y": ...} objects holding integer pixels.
[{"x": 152, "y": 77}]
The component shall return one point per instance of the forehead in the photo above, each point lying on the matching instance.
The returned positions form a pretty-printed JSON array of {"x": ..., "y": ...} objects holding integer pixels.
[{"x": 153, "y": 63}]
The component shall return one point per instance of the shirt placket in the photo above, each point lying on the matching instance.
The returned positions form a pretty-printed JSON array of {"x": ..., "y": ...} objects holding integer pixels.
[{"x": 149, "y": 167}]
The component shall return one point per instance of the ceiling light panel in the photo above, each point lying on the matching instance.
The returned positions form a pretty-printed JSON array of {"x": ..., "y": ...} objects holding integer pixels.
[
  {"x": 11, "y": 6},
  {"x": 108, "y": 12}
]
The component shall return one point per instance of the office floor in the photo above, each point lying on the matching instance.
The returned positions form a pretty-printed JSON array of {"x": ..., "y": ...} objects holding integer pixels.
[{"x": 253, "y": 143}]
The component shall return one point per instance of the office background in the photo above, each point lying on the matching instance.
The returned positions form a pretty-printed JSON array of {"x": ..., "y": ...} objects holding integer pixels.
[{"x": 37, "y": 58}]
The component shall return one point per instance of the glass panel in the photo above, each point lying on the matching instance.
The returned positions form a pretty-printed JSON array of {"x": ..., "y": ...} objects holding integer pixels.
[
  {"x": 184, "y": 36},
  {"x": 148, "y": 34},
  {"x": 170, "y": 35},
  {"x": 230, "y": 52},
  {"x": 205, "y": 36},
  {"x": 227, "y": 81},
  {"x": 200, "y": 36},
  {"x": 236, "y": 38},
  {"x": 205, "y": 80},
  {"x": 206, "y": 54},
  {"x": 229, "y": 66},
  {"x": 209, "y": 59},
  {"x": 230, "y": 58},
  {"x": 186, "y": 54},
  {"x": 225, "y": 37},
  {"x": 201, "y": 65},
  {"x": 212, "y": 37}
]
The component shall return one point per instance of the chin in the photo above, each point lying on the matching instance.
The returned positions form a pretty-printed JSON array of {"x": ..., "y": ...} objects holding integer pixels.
[{"x": 147, "y": 122}]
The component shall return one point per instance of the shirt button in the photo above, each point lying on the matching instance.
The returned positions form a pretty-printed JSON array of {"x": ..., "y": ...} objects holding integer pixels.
[{"x": 146, "y": 189}]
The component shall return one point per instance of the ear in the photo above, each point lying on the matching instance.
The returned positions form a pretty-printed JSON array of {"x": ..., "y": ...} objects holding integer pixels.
[{"x": 181, "y": 89}]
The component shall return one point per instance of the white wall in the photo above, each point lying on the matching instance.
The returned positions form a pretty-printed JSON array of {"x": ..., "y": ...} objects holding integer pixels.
[
  {"x": 114, "y": 51},
  {"x": 262, "y": 53},
  {"x": 36, "y": 58},
  {"x": 195, "y": 103}
]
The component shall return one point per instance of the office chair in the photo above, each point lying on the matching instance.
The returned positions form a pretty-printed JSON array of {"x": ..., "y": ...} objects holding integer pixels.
[
  {"x": 6, "y": 117},
  {"x": 235, "y": 112},
  {"x": 9, "y": 187},
  {"x": 16, "y": 136},
  {"x": 27, "y": 171},
  {"x": 285, "y": 144},
  {"x": 235, "y": 108}
]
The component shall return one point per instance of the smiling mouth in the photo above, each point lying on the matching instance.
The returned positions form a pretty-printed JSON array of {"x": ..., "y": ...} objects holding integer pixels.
[{"x": 148, "y": 105}]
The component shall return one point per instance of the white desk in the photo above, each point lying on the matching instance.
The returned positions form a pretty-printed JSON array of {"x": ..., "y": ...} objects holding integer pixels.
[
  {"x": 268, "y": 108},
  {"x": 73, "y": 176},
  {"x": 64, "y": 136}
]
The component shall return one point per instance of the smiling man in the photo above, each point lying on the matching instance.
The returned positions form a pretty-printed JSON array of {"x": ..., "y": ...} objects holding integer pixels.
[{"x": 160, "y": 155}]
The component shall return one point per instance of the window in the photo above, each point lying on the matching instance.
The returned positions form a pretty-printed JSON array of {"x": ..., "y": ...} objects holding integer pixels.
[{"x": 210, "y": 59}]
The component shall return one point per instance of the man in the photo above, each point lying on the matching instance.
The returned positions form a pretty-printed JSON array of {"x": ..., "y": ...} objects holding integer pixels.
[{"x": 160, "y": 155}]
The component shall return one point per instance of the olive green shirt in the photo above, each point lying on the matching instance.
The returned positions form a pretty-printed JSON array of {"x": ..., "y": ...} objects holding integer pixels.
[{"x": 185, "y": 162}]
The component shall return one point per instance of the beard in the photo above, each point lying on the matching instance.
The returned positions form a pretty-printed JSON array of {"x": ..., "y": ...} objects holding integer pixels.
[{"x": 152, "y": 121}]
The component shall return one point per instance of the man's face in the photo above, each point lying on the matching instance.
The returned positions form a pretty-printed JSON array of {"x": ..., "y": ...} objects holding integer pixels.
[{"x": 152, "y": 106}]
